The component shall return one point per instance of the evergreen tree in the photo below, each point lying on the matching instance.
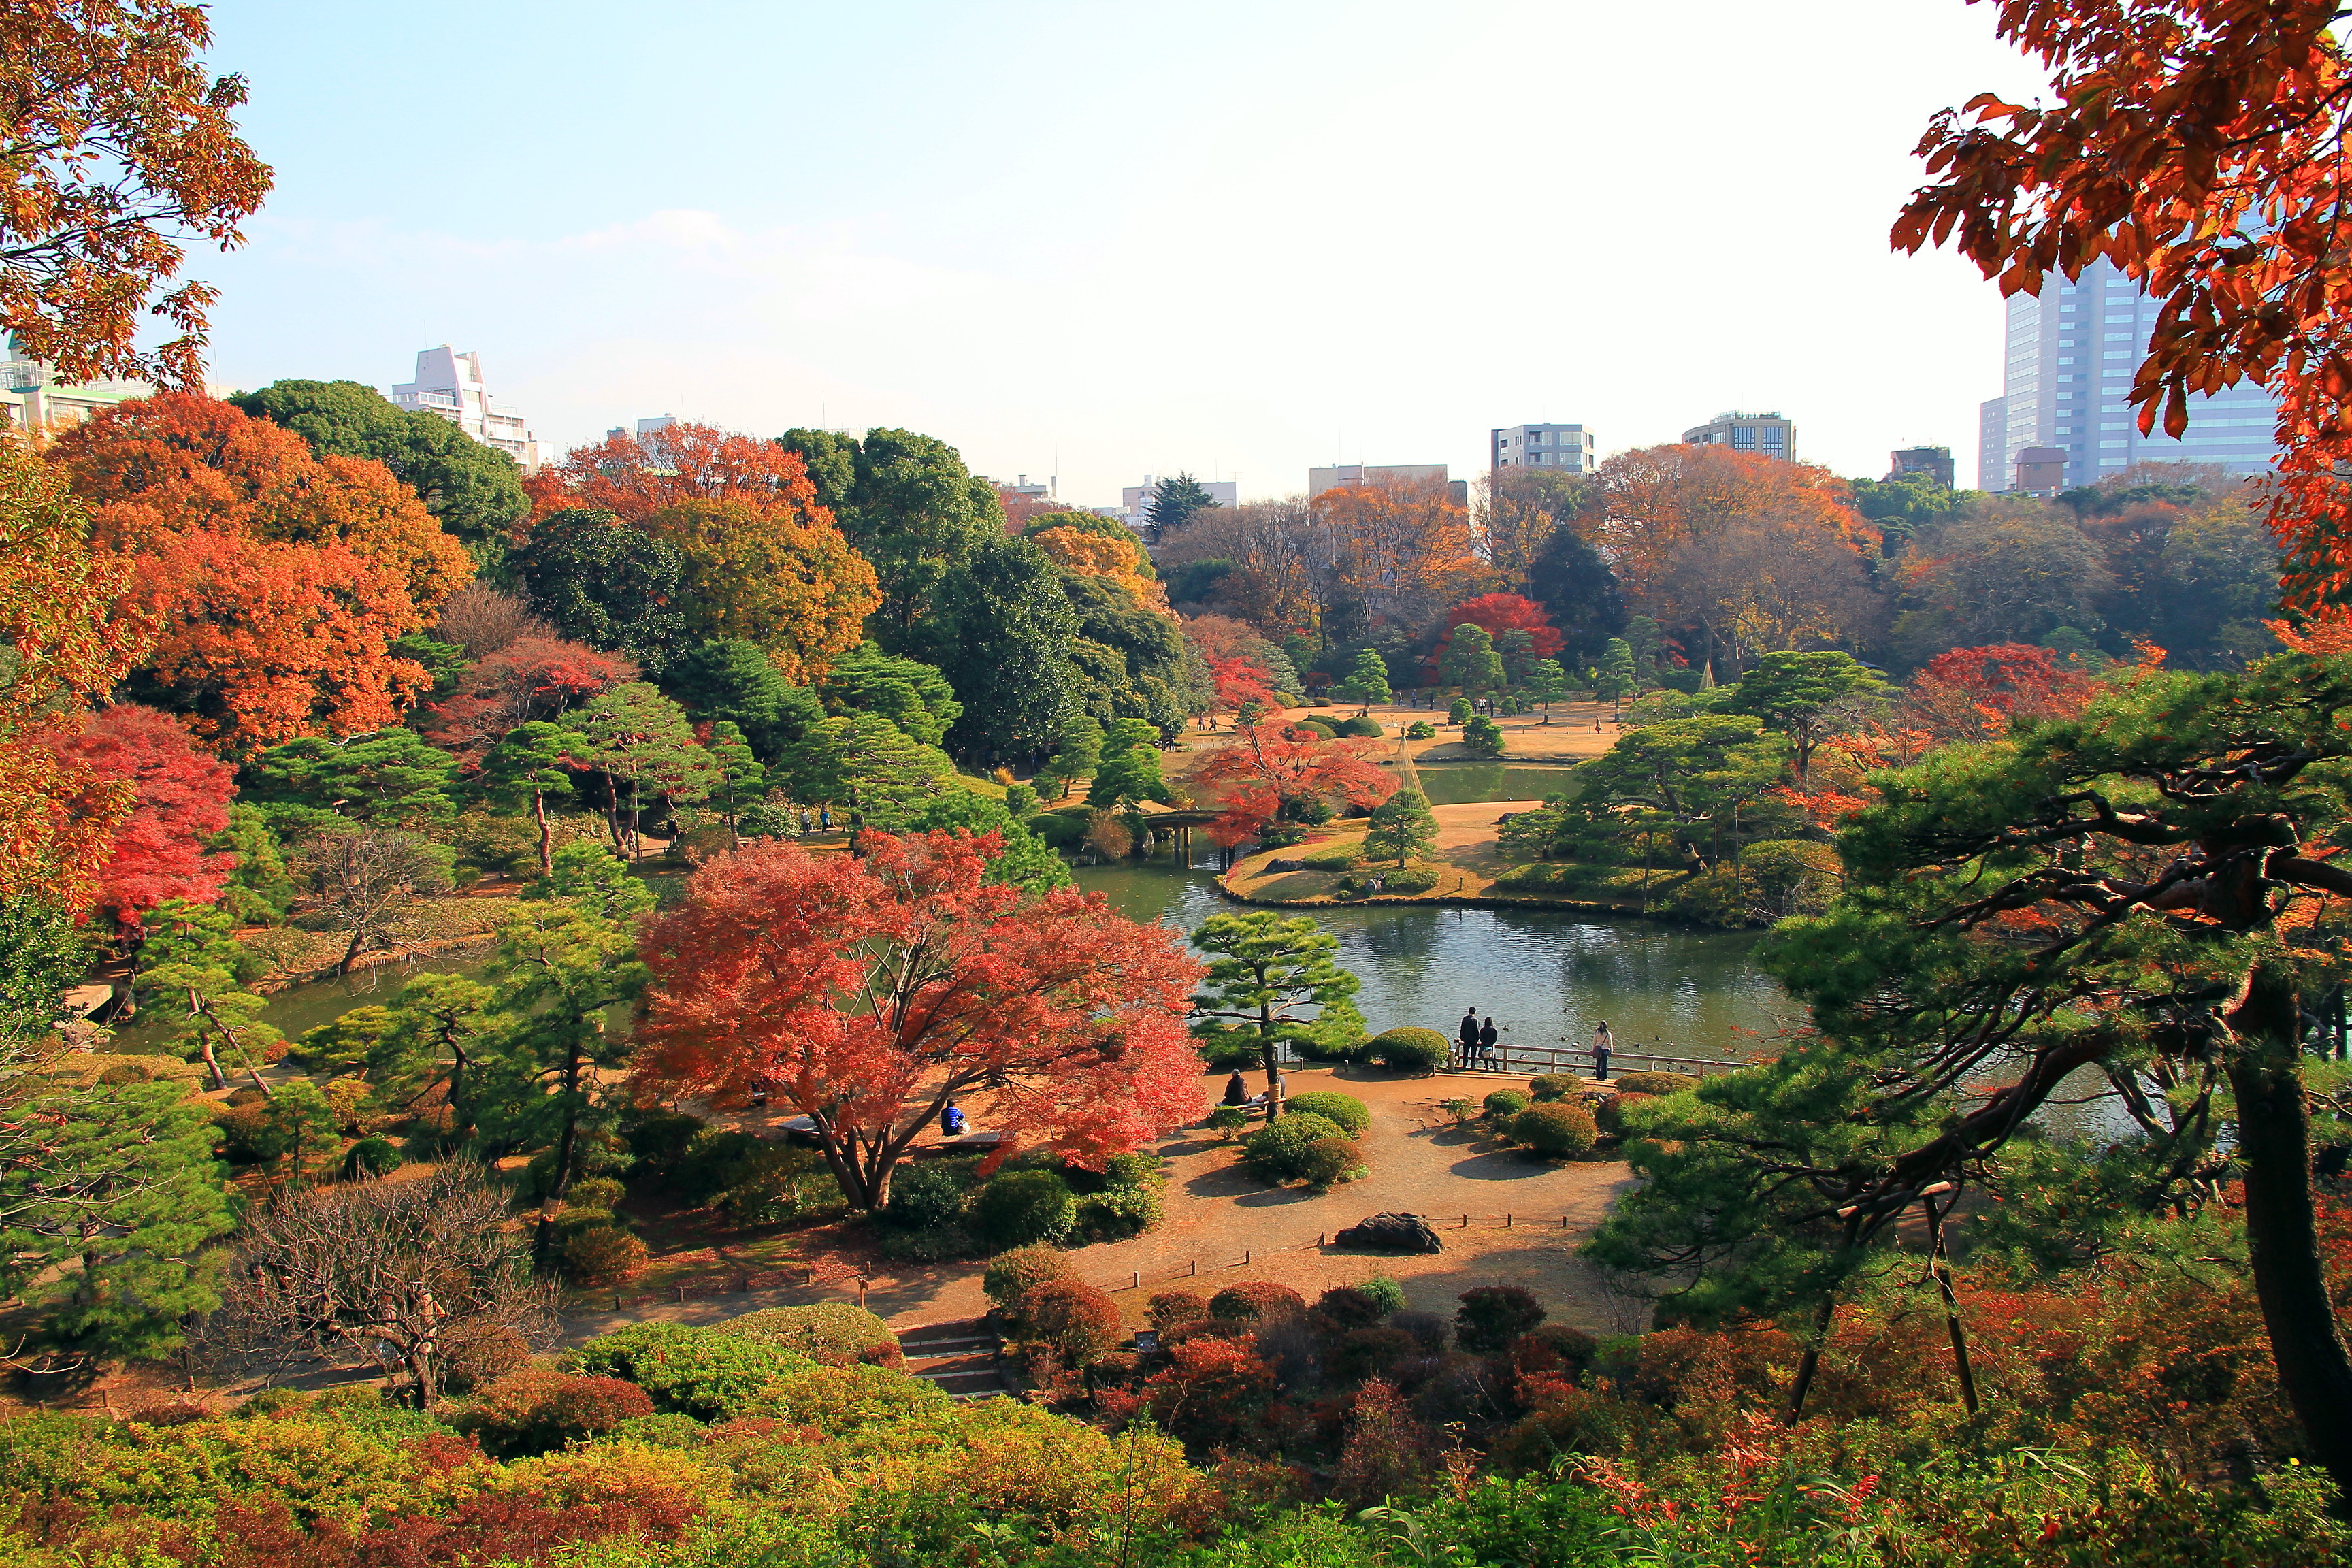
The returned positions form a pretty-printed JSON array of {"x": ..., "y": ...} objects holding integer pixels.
[
  {"x": 1481, "y": 736},
  {"x": 740, "y": 776},
  {"x": 1028, "y": 862},
  {"x": 1516, "y": 647},
  {"x": 440, "y": 1030},
  {"x": 1004, "y": 635},
  {"x": 1470, "y": 662},
  {"x": 910, "y": 694},
  {"x": 1128, "y": 774},
  {"x": 734, "y": 680},
  {"x": 607, "y": 583},
  {"x": 912, "y": 509},
  {"x": 635, "y": 735},
  {"x": 259, "y": 891},
  {"x": 1401, "y": 827},
  {"x": 390, "y": 779},
  {"x": 526, "y": 767},
  {"x": 1614, "y": 681},
  {"x": 1579, "y": 592},
  {"x": 1076, "y": 756},
  {"x": 1807, "y": 696},
  {"x": 1265, "y": 973},
  {"x": 1547, "y": 684},
  {"x": 1174, "y": 503},
  {"x": 1368, "y": 682},
  {"x": 191, "y": 982},
  {"x": 863, "y": 762}
]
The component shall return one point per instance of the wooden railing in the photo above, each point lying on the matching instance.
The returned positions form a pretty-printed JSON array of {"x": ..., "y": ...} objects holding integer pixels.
[{"x": 1533, "y": 1061}]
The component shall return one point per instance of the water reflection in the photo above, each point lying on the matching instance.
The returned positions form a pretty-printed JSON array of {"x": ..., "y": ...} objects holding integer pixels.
[{"x": 1545, "y": 975}]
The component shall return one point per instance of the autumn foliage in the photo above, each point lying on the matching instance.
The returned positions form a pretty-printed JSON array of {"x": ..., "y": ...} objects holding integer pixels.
[
  {"x": 274, "y": 580},
  {"x": 1271, "y": 762},
  {"x": 1973, "y": 693},
  {"x": 634, "y": 477},
  {"x": 530, "y": 678},
  {"x": 180, "y": 798},
  {"x": 869, "y": 991},
  {"x": 1500, "y": 613}
]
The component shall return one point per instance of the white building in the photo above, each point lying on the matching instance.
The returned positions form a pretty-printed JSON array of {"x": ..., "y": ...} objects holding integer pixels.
[
  {"x": 644, "y": 427},
  {"x": 450, "y": 384},
  {"x": 1391, "y": 476},
  {"x": 1569, "y": 447},
  {"x": 2072, "y": 352},
  {"x": 1764, "y": 433},
  {"x": 33, "y": 398},
  {"x": 1135, "y": 500}
]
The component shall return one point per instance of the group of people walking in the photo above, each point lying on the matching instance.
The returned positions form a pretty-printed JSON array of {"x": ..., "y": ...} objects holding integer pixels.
[{"x": 1477, "y": 1039}]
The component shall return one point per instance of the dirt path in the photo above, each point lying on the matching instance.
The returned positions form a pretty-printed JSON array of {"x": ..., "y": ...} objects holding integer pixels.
[{"x": 1224, "y": 1224}]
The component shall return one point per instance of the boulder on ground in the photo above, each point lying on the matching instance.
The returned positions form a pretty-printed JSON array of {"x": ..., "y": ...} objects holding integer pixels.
[
  {"x": 1391, "y": 1233},
  {"x": 1286, "y": 865}
]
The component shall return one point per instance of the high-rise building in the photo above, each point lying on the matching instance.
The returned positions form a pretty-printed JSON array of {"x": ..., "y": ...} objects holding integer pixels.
[
  {"x": 1135, "y": 500},
  {"x": 644, "y": 428},
  {"x": 1936, "y": 462},
  {"x": 1992, "y": 443},
  {"x": 2072, "y": 352},
  {"x": 1566, "y": 446},
  {"x": 450, "y": 384},
  {"x": 1766, "y": 434}
]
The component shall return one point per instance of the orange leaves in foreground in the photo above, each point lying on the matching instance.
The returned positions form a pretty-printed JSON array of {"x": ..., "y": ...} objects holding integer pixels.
[
  {"x": 869, "y": 992},
  {"x": 276, "y": 581}
]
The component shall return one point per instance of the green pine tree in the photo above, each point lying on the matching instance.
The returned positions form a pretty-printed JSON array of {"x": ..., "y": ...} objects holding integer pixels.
[
  {"x": 1367, "y": 683},
  {"x": 1471, "y": 662},
  {"x": 1547, "y": 684},
  {"x": 1403, "y": 827},
  {"x": 1273, "y": 981},
  {"x": 1128, "y": 774},
  {"x": 531, "y": 764},
  {"x": 1614, "y": 681},
  {"x": 1076, "y": 757}
]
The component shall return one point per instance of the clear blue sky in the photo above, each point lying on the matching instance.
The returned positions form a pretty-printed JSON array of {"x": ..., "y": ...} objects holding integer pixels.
[{"x": 1237, "y": 239}]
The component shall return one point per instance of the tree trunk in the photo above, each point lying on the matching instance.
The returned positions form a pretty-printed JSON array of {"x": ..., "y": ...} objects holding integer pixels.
[
  {"x": 2273, "y": 1138},
  {"x": 352, "y": 954},
  {"x": 1811, "y": 1361},
  {"x": 546, "y": 850}
]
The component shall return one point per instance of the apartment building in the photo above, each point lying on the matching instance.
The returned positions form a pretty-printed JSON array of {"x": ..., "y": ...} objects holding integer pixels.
[
  {"x": 450, "y": 384},
  {"x": 1766, "y": 434},
  {"x": 1569, "y": 447}
]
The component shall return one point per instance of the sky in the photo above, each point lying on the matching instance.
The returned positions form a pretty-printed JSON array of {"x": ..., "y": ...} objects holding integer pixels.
[{"x": 1093, "y": 241}]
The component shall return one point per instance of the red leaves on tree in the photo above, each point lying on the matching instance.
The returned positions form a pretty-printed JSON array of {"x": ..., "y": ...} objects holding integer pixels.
[
  {"x": 1973, "y": 693},
  {"x": 276, "y": 581},
  {"x": 1500, "y": 613},
  {"x": 637, "y": 475},
  {"x": 181, "y": 797},
  {"x": 530, "y": 678},
  {"x": 1270, "y": 763},
  {"x": 1241, "y": 682},
  {"x": 868, "y": 992},
  {"x": 2197, "y": 145}
]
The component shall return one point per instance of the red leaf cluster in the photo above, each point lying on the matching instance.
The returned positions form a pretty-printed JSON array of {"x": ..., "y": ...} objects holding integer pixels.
[
  {"x": 637, "y": 476},
  {"x": 181, "y": 797},
  {"x": 530, "y": 678},
  {"x": 1973, "y": 693},
  {"x": 1500, "y": 613},
  {"x": 1270, "y": 763}
]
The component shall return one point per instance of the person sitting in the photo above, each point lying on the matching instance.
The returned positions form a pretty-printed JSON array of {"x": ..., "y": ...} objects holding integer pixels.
[
  {"x": 1237, "y": 1090},
  {"x": 952, "y": 1121}
]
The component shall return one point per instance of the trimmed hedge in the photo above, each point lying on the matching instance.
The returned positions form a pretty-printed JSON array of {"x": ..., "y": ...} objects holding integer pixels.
[
  {"x": 1340, "y": 857},
  {"x": 531, "y": 1412},
  {"x": 1555, "y": 1085},
  {"x": 1610, "y": 1114},
  {"x": 1251, "y": 1299},
  {"x": 1505, "y": 1103},
  {"x": 1655, "y": 1082},
  {"x": 1410, "y": 1049},
  {"x": 1316, "y": 727},
  {"x": 707, "y": 1373},
  {"x": 1354, "y": 1116},
  {"x": 1018, "y": 1208},
  {"x": 1491, "y": 1316},
  {"x": 1076, "y": 1319},
  {"x": 1362, "y": 727},
  {"x": 1277, "y": 1152},
  {"x": 1557, "y": 1129},
  {"x": 1329, "y": 1160},
  {"x": 833, "y": 1334},
  {"x": 1011, "y": 1274},
  {"x": 602, "y": 1253}
]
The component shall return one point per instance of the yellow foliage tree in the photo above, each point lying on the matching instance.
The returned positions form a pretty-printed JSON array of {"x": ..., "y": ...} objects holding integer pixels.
[
  {"x": 1116, "y": 561},
  {"x": 774, "y": 574}
]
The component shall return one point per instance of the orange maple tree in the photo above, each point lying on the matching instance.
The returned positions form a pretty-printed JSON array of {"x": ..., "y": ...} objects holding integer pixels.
[
  {"x": 179, "y": 797},
  {"x": 2198, "y": 145},
  {"x": 775, "y": 573},
  {"x": 1973, "y": 693},
  {"x": 634, "y": 477},
  {"x": 868, "y": 992},
  {"x": 1402, "y": 548},
  {"x": 1649, "y": 505},
  {"x": 1271, "y": 762},
  {"x": 276, "y": 581},
  {"x": 118, "y": 146}
]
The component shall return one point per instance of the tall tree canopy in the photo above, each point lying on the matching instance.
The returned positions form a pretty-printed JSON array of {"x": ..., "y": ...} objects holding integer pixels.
[
  {"x": 608, "y": 583},
  {"x": 119, "y": 146},
  {"x": 775, "y": 573},
  {"x": 633, "y": 477},
  {"x": 277, "y": 581},
  {"x": 1176, "y": 501},
  {"x": 475, "y": 490},
  {"x": 910, "y": 505},
  {"x": 1003, "y": 632},
  {"x": 869, "y": 992}
]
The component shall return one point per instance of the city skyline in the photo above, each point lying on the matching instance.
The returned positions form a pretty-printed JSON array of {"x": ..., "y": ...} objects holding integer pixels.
[{"x": 999, "y": 268}]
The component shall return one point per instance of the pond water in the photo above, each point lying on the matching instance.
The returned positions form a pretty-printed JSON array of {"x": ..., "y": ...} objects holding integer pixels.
[
  {"x": 1543, "y": 973},
  {"x": 1454, "y": 783}
]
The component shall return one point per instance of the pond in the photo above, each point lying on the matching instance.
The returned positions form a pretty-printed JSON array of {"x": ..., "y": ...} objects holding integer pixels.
[{"x": 1544, "y": 974}]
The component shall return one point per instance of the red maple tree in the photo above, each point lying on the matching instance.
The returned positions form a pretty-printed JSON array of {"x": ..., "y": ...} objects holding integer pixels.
[
  {"x": 1973, "y": 693},
  {"x": 1270, "y": 763},
  {"x": 530, "y": 678},
  {"x": 634, "y": 477},
  {"x": 1500, "y": 613},
  {"x": 868, "y": 992},
  {"x": 180, "y": 798}
]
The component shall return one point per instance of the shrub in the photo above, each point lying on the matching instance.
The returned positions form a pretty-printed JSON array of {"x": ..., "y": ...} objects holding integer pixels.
[
  {"x": 832, "y": 1333},
  {"x": 1253, "y": 1301},
  {"x": 661, "y": 1431},
  {"x": 1557, "y": 1131},
  {"x": 1329, "y": 1160},
  {"x": 1459, "y": 712},
  {"x": 777, "y": 1183},
  {"x": 1354, "y": 1116},
  {"x": 1349, "y": 1307},
  {"x": 1547, "y": 1344},
  {"x": 1505, "y": 1103},
  {"x": 596, "y": 1193},
  {"x": 475, "y": 1351},
  {"x": 602, "y": 1254},
  {"x": 574, "y": 1220},
  {"x": 1363, "y": 727},
  {"x": 1077, "y": 1321},
  {"x": 929, "y": 1195},
  {"x": 658, "y": 1140},
  {"x": 368, "y": 1158},
  {"x": 1277, "y": 1152},
  {"x": 1402, "y": 880},
  {"x": 1117, "y": 1213},
  {"x": 1342, "y": 858},
  {"x": 348, "y": 1099},
  {"x": 1410, "y": 1049},
  {"x": 532, "y": 1411},
  {"x": 1318, "y": 728},
  {"x": 1136, "y": 1168},
  {"x": 1655, "y": 1082},
  {"x": 1019, "y": 1208},
  {"x": 246, "y": 1134},
  {"x": 704, "y": 1372},
  {"x": 1483, "y": 736},
  {"x": 932, "y": 1244},
  {"x": 1011, "y": 1274},
  {"x": 1610, "y": 1114},
  {"x": 1418, "y": 729},
  {"x": 712, "y": 1161},
  {"x": 1491, "y": 1316},
  {"x": 1386, "y": 1291},
  {"x": 125, "y": 1072},
  {"x": 1427, "y": 1329},
  {"x": 1370, "y": 1352},
  {"x": 1228, "y": 1120},
  {"x": 1169, "y": 1307},
  {"x": 1464, "y": 1111},
  {"x": 1555, "y": 1085}
]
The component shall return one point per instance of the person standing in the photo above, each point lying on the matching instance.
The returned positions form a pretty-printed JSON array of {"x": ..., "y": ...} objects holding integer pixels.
[
  {"x": 1487, "y": 1034},
  {"x": 1603, "y": 1042},
  {"x": 1468, "y": 1035}
]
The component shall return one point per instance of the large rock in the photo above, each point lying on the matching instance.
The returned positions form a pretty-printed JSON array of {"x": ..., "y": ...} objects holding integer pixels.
[
  {"x": 1391, "y": 1233},
  {"x": 1286, "y": 866}
]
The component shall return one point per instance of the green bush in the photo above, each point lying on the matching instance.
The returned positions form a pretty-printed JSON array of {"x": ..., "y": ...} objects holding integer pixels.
[
  {"x": 714, "y": 1160},
  {"x": 1459, "y": 712},
  {"x": 707, "y": 1373},
  {"x": 1559, "y": 1130},
  {"x": 1339, "y": 858},
  {"x": 1482, "y": 737},
  {"x": 1277, "y": 1152},
  {"x": 370, "y": 1157},
  {"x": 1491, "y": 1316},
  {"x": 125, "y": 1072},
  {"x": 1410, "y": 1049},
  {"x": 833, "y": 1333},
  {"x": 573, "y": 1218},
  {"x": 596, "y": 1193},
  {"x": 930, "y": 1194},
  {"x": 932, "y": 1244},
  {"x": 1610, "y": 1115},
  {"x": 1318, "y": 728},
  {"x": 661, "y": 1431},
  {"x": 1553, "y": 1085},
  {"x": 1017, "y": 1208},
  {"x": 1394, "y": 879},
  {"x": 601, "y": 1255},
  {"x": 1363, "y": 727},
  {"x": 1136, "y": 1168},
  {"x": 658, "y": 1141},
  {"x": 777, "y": 1183},
  {"x": 1117, "y": 1213},
  {"x": 1419, "y": 730},
  {"x": 1655, "y": 1082},
  {"x": 1505, "y": 1103},
  {"x": 1011, "y": 1274},
  {"x": 1329, "y": 1160},
  {"x": 1354, "y": 1116},
  {"x": 246, "y": 1134},
  {"x": 1386, "y": 1291}
]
